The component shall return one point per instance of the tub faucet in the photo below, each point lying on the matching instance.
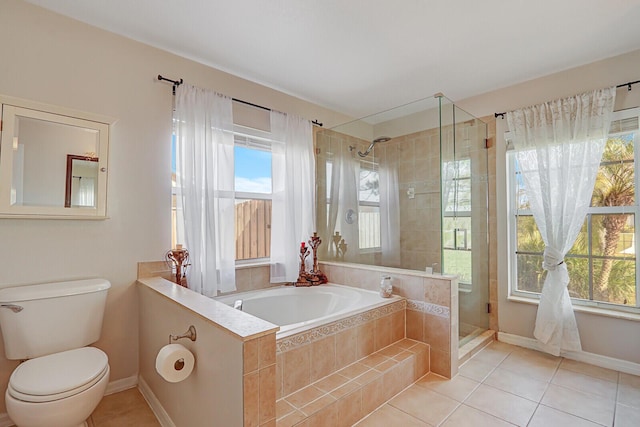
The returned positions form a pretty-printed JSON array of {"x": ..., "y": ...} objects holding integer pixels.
[{"x": 238, "y": 304}]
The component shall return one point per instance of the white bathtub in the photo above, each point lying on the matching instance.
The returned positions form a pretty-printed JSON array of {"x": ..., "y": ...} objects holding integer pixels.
[{"x": 295, "y": 309}]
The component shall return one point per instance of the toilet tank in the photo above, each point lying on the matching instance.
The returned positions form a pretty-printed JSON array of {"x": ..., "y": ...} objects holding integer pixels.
[{"x": 47, "y": 318}]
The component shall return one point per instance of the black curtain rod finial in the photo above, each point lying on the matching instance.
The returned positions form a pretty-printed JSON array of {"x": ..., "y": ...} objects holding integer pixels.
[{"x": 501, "y": 115}]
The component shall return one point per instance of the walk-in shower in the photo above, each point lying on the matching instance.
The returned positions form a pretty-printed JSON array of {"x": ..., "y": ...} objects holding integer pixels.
[{"x": 415, "y": 199}]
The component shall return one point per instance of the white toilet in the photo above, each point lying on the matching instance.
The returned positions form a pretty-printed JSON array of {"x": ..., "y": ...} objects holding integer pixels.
[{"x": 50, "y": 324}]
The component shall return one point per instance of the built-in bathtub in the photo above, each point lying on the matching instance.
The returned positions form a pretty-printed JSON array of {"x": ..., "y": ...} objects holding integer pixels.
[
  {"x": 323, "y": 328},
  {"x": 299, "y": 309}
]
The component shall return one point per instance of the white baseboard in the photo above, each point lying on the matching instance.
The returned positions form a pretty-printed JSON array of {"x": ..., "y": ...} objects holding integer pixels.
[
  {"x": 121, "y": 385},
  {"x": 154, "y": 404},
  {"x": 580, "y": 356}
]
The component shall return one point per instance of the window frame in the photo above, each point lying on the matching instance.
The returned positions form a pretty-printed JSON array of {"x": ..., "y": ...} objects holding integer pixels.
[
  {"x": 464, "y": 286},
  {"x": 372, "y": 167},
  {"x": 513, "y": 212},
  {"x": 245, "y": 137}
]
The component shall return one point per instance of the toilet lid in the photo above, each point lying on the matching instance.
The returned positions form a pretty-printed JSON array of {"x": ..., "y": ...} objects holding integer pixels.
[{"x": 58, "y": 375}]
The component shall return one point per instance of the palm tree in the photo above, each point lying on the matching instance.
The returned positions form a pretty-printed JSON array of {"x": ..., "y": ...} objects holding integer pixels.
[{"x": 614, "y": 187}]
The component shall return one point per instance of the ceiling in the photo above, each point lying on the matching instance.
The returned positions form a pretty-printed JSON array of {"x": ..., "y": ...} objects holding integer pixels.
[{"x": 360, "y": 57}]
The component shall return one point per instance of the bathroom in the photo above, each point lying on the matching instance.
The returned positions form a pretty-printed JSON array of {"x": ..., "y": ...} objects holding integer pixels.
[{"x": 57, "y": 64}]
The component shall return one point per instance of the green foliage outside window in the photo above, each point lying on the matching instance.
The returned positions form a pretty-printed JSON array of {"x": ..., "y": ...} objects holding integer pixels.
[{"x": 602, "y": 261}]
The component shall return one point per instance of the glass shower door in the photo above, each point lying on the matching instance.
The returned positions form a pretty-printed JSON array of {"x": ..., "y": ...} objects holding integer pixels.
[{"x": 465, "y": 242}]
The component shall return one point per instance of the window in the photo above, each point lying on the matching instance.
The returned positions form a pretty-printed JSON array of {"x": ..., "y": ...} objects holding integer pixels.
[
  {"x": 369, "y": 209},
  {"x": 252, "y": 166},
  {"x": 602, "y": 262},
  {"x": 368, "y": 205},
  {"x": 456, "y": 229},
  {"x": 252, "y": 156}
]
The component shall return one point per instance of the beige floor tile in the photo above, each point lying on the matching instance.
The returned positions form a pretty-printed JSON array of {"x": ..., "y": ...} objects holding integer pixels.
[
  {"x": 502, "y": 346},
  {"x": 124, "y": 409},
  {"x": 627, "y": 416},
  {"x": 466, "y": 416},
  {"x": 476, "y": 370},
  {"x": 592, "y": 371},
  {"x": 629, "y": 390},
  {"x": 457, "y": 388},
  {"x": 426, "y": 405},
  {"x": 582, "y": 382},
  {"x": 628, "y": 379},
  {"x": 517, "y": 384},
  {"x": 506, "y": 406},
  {"x": 549, "y": 417},
  {"x": 387, "y": 416},
  {"x": 579, "y": 403},
  {"x": 491, "y": 356},
  {"x": 531, "y": 364}
]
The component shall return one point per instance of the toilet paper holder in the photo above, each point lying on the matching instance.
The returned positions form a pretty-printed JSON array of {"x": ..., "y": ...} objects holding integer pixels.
[{"x": 191, "y": 334}]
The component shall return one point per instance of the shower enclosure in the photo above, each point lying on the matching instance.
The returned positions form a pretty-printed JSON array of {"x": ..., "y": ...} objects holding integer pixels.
[{"x": 407, "y": 188}]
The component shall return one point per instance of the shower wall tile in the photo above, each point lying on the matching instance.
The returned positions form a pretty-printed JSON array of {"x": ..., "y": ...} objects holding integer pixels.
[
  {"x": 437, "y": 291},
  {"x": 437, "y": 332}
]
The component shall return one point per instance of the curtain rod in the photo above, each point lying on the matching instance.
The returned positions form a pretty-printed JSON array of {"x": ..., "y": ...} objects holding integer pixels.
[
  {"x": 628, "y": 85},
  {"x": 177, "y": 83}
]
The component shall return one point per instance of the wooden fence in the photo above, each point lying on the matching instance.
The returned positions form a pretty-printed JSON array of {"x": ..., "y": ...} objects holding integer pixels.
[{"x": 253, "y": 229}]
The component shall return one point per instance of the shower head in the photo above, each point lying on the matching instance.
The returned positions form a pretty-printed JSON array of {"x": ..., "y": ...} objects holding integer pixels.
[{"x": 373, "y": 143}]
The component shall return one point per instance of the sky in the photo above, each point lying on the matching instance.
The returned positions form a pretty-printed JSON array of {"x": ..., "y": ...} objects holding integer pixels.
[{"x": 252, "y": 169}]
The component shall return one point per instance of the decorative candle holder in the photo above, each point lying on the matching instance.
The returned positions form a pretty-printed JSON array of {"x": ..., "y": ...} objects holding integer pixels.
[
  {"x": 179, "y": 257},
  {"x": 302, "y": 274},
  {"x": 315, "y": 276}
]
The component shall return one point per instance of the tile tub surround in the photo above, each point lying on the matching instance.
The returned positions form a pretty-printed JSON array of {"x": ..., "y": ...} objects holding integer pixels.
[
  {"x": 346, "y": 396},
  {"x": 313, "y": 354},
  {"x": 432, "y": 306},
  {"x": 240, "y": 380}
]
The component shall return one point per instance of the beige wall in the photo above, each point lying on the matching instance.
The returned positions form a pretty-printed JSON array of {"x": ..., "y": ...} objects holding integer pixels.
[
  {"x": 55, "y": 60},
  {"x": 200, "y": 399},
  {"x": 605, "y": 336}
]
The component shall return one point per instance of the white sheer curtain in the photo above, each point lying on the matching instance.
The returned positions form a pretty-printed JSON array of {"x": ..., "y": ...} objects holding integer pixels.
[
  {"x": 293, "y": 209},
  {"x": 343, "y": 196},
  {"x": 559, "y": 147},
  {"x": 205, "y": 178},
  {"x": 389, "y": 213}
]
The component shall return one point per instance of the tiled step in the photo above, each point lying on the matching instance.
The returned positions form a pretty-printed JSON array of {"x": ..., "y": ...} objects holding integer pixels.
[{"x": 343, "y": 398}]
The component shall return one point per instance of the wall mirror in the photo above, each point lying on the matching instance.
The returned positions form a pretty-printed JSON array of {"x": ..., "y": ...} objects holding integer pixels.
[{"x": 53, "y": 162}]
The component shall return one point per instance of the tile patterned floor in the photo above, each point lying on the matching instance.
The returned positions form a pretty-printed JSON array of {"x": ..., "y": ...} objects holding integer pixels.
[
  {"x": 502, "y": 385},
  {"x": 505, "y": 385},
  {"x": 124, "y": 409}
]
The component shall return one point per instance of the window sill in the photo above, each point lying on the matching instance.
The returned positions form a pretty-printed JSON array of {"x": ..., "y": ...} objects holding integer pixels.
[
  {"x": 598, "y": 311},
  {"x": 252, "y": 264}
]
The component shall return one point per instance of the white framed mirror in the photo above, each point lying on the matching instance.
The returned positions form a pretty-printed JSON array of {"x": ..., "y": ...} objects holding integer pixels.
[{"x": 53, "y": 162}]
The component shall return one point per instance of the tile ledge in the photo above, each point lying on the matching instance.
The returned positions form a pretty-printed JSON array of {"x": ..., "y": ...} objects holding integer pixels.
[
  {"x": 408, "y": 272},
  {"x": 236, "y": 322}
]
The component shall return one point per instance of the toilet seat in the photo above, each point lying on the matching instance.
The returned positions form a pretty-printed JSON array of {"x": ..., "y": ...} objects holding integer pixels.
[{"x": 59, "y": 375}]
